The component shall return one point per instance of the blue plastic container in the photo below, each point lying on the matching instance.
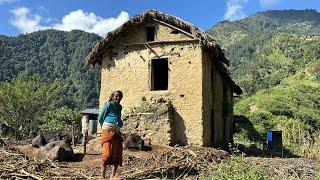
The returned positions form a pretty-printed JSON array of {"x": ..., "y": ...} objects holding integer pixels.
[
  {"x": 93, "y": 124},
  {"x": 274, "y": 140}
]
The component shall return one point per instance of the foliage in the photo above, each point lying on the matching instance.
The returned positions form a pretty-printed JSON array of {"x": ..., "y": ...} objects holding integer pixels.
[
  {"x": 59, "y": 119},
  {"x": 24, "y": 99},
  {"x": 275, "y": 59},
  {"x": 293, "y": 21},
  {"x": 54, "y": 54},
  {"x": 238, "y": 168},
  {"x": 292, "y": 107},
  {"x": 266, "y": 47}
]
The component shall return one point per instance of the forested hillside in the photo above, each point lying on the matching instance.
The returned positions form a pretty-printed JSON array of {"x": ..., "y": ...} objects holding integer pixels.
[
  {"x": 275, "y": 58},
  {"x": 53, "y": 54},
  {"x": 44, "y": 81}
]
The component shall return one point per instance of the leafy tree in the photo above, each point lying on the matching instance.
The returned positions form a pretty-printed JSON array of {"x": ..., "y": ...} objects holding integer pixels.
[{"x": 23, "y": 101}]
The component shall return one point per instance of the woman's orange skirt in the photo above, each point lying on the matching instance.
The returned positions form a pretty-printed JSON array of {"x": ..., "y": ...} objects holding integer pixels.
[{"x": 111, "y": 148}]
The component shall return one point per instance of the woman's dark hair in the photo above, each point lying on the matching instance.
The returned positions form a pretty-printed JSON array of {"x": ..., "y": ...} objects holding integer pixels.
[{"x": 112, "y": 95}]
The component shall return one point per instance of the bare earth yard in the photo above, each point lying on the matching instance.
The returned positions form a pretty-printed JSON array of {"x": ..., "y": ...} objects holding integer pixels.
[{"x": 17, "y": 161}]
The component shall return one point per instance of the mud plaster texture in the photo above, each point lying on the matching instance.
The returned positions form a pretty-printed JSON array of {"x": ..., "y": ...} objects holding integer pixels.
[{"x": 127, "y": 67}]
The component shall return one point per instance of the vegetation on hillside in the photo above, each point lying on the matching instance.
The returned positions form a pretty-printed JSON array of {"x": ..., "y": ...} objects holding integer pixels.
[
  {"x": 305, "y": 22},
  {"x": 29, "y": 104},
  {"x": 275, "y": 59},
  {"x": 292, "y": 107},
  {"x": 54, "y": 54},
  {"x": 44, "y": 81}
]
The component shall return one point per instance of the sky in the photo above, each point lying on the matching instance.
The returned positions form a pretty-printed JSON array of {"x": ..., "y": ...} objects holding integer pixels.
[{"x": 101, "y": 16}]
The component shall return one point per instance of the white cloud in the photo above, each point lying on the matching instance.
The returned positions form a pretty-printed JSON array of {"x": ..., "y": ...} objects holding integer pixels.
[
  {"x": 235, "y": 10},
  {"x": 7, "y": 1},
  {"x": 268, "y": 3},
  {"x": 90, "y": 22},
  {"x": 25, "y": 21},
  {"x": 87, "y": 21}
]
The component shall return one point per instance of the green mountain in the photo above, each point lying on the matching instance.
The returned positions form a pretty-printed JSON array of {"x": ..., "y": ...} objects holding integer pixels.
[
  {"x": 296, "y": 21},
  {"x": 275, "y": 58},
  {"x": 266, "y": 47},
  {"x": 54, "y": 55}
]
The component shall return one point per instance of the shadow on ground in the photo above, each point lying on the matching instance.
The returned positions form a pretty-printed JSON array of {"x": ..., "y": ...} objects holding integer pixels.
[
  {"x": 243, "y": 124},
  {"x": 257, "y": 152},
  {"x": 78, "y": 157}
]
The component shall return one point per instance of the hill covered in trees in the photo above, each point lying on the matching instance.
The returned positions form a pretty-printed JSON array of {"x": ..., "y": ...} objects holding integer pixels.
[
  {"x": 44, "y": 82},
  {"x": 54, "y": 55},
  {"x": 275, "y": 58}
]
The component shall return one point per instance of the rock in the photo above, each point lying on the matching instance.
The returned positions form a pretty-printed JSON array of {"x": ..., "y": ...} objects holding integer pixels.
[{"x": 56, "y": 150}]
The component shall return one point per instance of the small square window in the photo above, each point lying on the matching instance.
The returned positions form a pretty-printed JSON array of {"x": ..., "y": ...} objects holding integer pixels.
[{"x": 150, "y": 34}]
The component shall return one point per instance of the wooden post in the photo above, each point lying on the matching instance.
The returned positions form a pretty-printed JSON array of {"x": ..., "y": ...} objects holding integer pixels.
[
  {"x": 73, "y": 131},
  {"x": 85, "y": 136},
  {"x": 84, "y": 122}
]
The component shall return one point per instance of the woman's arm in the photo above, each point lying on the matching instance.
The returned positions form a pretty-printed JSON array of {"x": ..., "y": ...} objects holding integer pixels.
[
  {"x": 120, "y": 122},
  {"x": 103, "y": 114}
]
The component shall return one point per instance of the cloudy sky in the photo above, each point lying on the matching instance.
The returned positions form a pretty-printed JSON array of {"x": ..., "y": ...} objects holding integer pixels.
[{"x": 102, "y": 16}]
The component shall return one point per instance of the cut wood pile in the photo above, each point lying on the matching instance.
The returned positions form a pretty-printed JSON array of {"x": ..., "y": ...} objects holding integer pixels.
[
  {"x": 173, "y": 163},
  {"x": 160, "y": 162}
]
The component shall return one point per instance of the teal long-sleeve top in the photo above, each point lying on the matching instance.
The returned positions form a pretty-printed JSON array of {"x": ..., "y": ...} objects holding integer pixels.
[{"x": 111, "y": 113}]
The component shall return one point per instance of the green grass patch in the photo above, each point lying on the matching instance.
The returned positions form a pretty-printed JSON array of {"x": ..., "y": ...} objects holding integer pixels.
[
  {"x": 237, "y": 169},
  {"x": 292, "y": 107}
]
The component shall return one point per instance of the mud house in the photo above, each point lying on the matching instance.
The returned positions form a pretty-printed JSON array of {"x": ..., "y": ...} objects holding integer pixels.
[{"x": 156, "y": 55}]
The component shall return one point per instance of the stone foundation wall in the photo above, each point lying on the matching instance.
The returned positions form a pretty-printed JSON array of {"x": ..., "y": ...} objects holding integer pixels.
[{"x": 155, "y": 125}]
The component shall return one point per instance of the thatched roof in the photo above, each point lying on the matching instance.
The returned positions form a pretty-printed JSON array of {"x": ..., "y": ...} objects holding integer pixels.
[{"x": 96, "y": 55}]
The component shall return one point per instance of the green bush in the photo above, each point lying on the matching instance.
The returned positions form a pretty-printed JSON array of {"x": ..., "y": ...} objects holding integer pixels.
[{"x": 59, "y": 119}]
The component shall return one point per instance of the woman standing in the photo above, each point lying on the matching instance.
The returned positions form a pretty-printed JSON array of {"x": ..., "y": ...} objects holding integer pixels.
[{"x": 110, "y": 122}]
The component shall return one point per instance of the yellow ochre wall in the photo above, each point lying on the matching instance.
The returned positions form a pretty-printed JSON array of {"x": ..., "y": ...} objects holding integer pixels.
[{"x": 127, "y": 67}]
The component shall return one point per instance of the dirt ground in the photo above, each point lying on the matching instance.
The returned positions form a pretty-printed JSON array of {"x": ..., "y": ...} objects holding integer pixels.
[
  {"x": 288, "y": 168},
  {"x": 160, "y": 162}
]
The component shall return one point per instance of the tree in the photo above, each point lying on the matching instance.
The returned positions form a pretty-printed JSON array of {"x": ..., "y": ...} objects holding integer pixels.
[{"x": 24, "y": 99}]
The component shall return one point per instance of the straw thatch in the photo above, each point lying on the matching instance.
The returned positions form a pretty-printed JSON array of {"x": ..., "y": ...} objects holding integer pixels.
[{"x": 208, "y": 43}]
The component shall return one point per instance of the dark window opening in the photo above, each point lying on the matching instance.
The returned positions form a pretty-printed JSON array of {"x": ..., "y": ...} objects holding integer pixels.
[
  {"x": 159, "y": 74},
  {"x": 150, "y": 34}
]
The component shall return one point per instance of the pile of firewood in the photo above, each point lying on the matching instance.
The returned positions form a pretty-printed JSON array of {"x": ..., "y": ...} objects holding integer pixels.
[{"x": 176, "y": 163}]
